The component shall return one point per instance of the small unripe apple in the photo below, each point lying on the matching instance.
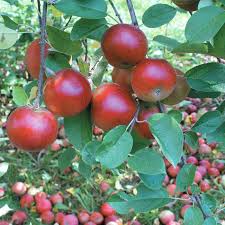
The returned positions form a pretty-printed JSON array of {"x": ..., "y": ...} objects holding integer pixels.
[
  {"x": 204, "y": 149},
  {"x": 166, "y": 216},
  {"x": 153, "y": 80},
  {"x": 31, "y": 129},
  {"x": 70, "y": 219},
  {"x": 205, "y": 163},
  {"x": 43, "y": 205},
  {"x": 184, "y": 209},
  {"x": 198, "y": 177},
  {"x": 2, "y": 192},
  {"x": 47, "y": 217},
  {"x": 97, "y": 218},
  {"x": 201, "y": 141},
  {"x": 83, "y": 217},
  {"x": 202, "y": 170},
  {"x": 173, "y": 171},
  {"x": 59, "y": 217},
  {"x": 219, "y": 165},
  {"x": 192, "y": 160},
  {"x": 122, "y": 77},
  {"x": 19, "y": 188},
  {"x": 67, "y": 93},
  {"x": 204, "y": 186},
  {"x": 56, "y": 198},
  {"x": 26, "y": 201},
  {"x": 104, "y": 186},
  {"x": 112, "y": 106},
  {"x": 107, "y": 210},
  {"x": 171, "y": 189},
  {"x": 124, "y": 45},
  {"x": 214, "y": 172},
  {"x": 19, "y": 217}
]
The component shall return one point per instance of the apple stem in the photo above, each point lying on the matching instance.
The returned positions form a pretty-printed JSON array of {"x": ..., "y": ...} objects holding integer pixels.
[
  {"x": 160, "y": 107},
  {"x": 135, "y": 118},
  {"x": 85, "y": 44},
  {"x": 132, "y": 13},
  {"x": 116, "y": 11},
  {"x": 42, "y": 55}
]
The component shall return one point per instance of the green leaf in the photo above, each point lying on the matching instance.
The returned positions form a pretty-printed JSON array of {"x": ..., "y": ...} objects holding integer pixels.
[
  {"x": 61, "y": 206},
  {"x": 199, "y": 94},
  {"x": 89, "y": 152},
  {"x": 147, "y": 161},
  {"x": 153, "y": 182},
  {"x": 217, "y": 136},
  {"x": 8, "y": 37},
  {"x": 145, "y": 200},
  {"x": 66, "y": 158},
  {"x": 185, "y": 177},
  {"x": 193, "y": 216},
  {"x": 83, "y": 66},
  {"x": 208, "y": 77},
  {"x": 221, "y": 108},
  {"x": 191, "y": 48},
  {"x": 57, "y": 61},
  {"x": 84, "y": 27},
  {"x": 204, "y": 3},
  {"x": 139, "y": 142},
  {"x": 191, "y": 138},
  {"x": 166, "y": 41},
  {"x": 210, "y": 221},
  {"x": 168, "y": 134},
  {"x": 3, "y": 168},
  {"x": 158, "y": 15},
  {"x": 79, "y": 129},
  {"x": 115, "y": 147},
  {"x": 84, "y": 169},
  {"x": 99, "y": 71},
  {"x": 89, "y": 9},
  {"x": 19, "y": 96},
  {"x": 204, "y": 24},
  {"x": 208, "y": 203},
  {"x": 209, "y": 122},
  {"x": 60, "y": 40},
  {"x": 98, "y": 33},
  {"x": 177, "y": 115},
  {"x": 9, "y": 22}
]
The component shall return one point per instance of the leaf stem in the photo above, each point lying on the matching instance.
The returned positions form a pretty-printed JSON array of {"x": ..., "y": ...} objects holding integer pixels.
[
  {"x": 160, "y": 107},
  {"x": 132, "y": 13},
  {"x": 116, "y": 11}
]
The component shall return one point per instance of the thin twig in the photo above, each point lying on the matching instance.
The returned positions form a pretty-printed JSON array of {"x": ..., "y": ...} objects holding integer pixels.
[
  {"x": 133, "y": 121},
  {"x": 198, "y": 201},
  {"x": 67, "y": 23},
  {"x": 132, "y": 12},
  {"x": 42, "y": 54},
  {"x": 116, "y": 11},
  {"x": 160, "y": 107},
  {"x": 85, "y": 43},
  {"x": 39, "y": 11}
]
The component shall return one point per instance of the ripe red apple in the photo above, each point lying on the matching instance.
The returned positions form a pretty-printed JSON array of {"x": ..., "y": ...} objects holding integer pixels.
[
  {"x": 47, "y": 217},
  {"x": 204, "y": 149},
  {"x": 166, "y": 216},
  {"x": 173, "y": 171},
  {"x": 67, "y": 93},
  {"x": 32, "y": 58},
  {"x": 141, "y": 127},
  {"x": 122, "y": 77},
  {"x": 83, "y": 217},
  {"x": 43, "y": 205},
  {"x": 19, "y": 188},
  {"x": 184, "y": 209},
  {"x": 2, "y": 192},
  {"x": 171, "y": 189},
  {"x": 124, "y": 45},
  {"x": 198, "y": 177},
  {"x": 107, "y": 210},
  {"x": 4, "y": 222},
  {"x": 219, "y": 165},
  {"x": 56, "y": 198},
  {"x": 201, "y": 141},
  {"x": 59, "y": 217},
  {"x": 70, "y": 219},
  {"x": 192, "y": 160},
  {"x": 19, "y": 217},
  {"x": 213, "y": 145},
  {"x": 153, "y": 79},
  {"x": 189, "y": 5},
  {"x": 214, "y": 172},
  {"x": 40, "y": 195},
  {"x": 26, "y": 201},
  {"x": 202, "y": 170},
  {"x": 204, "y": 186},
  {"x": 97, "y": 218},
  {"x": 205, "y": 163},
  {"x": 113, "y": 218},
  {"x": 112, "y": 106},
  {"x": 31, "y": 129},
  {"x": 104, "y": 186},
  {"x": 180, "y": 91}
]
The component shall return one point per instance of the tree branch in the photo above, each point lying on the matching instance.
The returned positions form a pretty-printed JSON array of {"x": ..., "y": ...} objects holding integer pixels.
[
  {"x": 116, "y": 11},
  {"x": 132, "y": 12},
  {"x": 160, "y": 107},
  {"x": 39, "y": 12},
  {"x": 42, "y": 54}
]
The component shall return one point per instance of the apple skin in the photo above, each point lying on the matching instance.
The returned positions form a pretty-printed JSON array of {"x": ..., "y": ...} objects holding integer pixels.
[
  {"x": 19, "y": 188},
  {"x": 67, "y": 93},
  {"x": 107, "y": 210},
  {"x": 189, "y": 5},
  {"x": 31, "y": 129},
  {"x": 124, "y": 45},
  {"x": 153, "y": 80},
  {"x": 122, "y": 77},
  {"x": 142, "y": 128},
  {"x": 166, "y": 216},
  {"x": 184, "y": 209},
  {"x": 19, "y": 217},
  {"x": 32, "y": 58},
  {"x": 180, "y": 91},
  {"x": 47, "y": 217},
  {"x": 112, "y": 106},
  {"x": 26, "y": 201},
  {"x": 97, "y": 218}
]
